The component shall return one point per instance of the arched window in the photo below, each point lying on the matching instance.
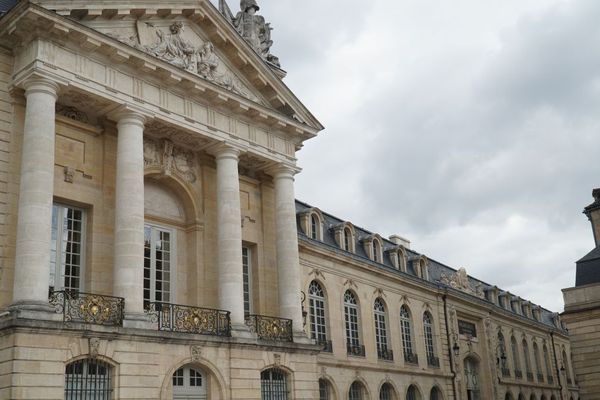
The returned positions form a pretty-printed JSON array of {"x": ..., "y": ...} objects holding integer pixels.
[
  {"x": 189, "y": 383},
  {"x": 413, "y": 393},
  {"x": 386, "y": 392},
  {"x": 318, "y": 321},
  {"x": 547, "y": 365},
  {"x": 435, "y": 394},
  {"x": 324, "y": 390},
  {"x": 527, "y": 360},
  {"x": 532, "y": 397},
  {"x": 566, "y": 367},
  {"x": 538, "y": 363},
  {"x": 432, "y": 360},
  {"x": 351, "y": 319},
  {"x": 543, "y": 397},
  {"x": 88, "y": 379},
  {"x": 376, "y": 251},
  {"x": 381, "y": 330},
  {"x": 508, "y": 396},
  {"x": 314, "y": 227},
  {"x": 515, "y": 354},
  {"x": 347, "y": 239},
  {"x": 407, "y": 343},
  {"x": 503, "y": 356},
  {"x": 273, "y": 384},
  {"x": 472, "y": 378},
  {"x": 521, "y": 397},
  {"x": 357, "y": 391}
]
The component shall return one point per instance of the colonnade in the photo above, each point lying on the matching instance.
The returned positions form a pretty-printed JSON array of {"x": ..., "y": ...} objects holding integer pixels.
[{"x": 31, "y": 279}]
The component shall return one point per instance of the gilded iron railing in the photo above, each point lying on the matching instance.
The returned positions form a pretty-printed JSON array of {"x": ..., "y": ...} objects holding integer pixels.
[
  {"x": 433, "y": 361},
  {"x": 88, "y": 308},
  {"x": 188, "y": 319},
  {"x": 385, "y": 354},
  {"x": 356, "y": 350},
  {"x": 411, "y": 358},
  {"x": 271, "y": 328}
]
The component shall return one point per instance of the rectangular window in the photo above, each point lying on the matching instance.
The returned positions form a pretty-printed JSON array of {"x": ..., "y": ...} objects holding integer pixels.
[
  {"x": 158, "y": 264},
  {"x": 67, "y": 250},
  {"x": 247, "y": 274}
]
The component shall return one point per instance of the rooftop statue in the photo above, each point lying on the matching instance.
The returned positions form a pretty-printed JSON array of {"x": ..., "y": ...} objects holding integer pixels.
[{"x": 252, "y": 27}]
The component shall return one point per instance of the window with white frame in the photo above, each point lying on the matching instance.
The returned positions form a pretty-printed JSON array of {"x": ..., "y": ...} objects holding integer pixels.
[
  {"x": 347, "y": 233},
  {"x": 88, "y": 379},
  {"x": 189, "y": 384},
  {"x": 67, "y": 252},
  {"x": 380, "y": 327},
  {"x": 376, "y": 251},
  {"x": 247, "y": 277},
  {"x": 314, "y": 227},
  {"x": 428, "y": 329},
  {"x": 158, "y": 264},
  {"x": 351, "y": 318},
  {"x": 406, "y": 328},
  {"x": 273, "y": 384},
  {"x": 318, "y": 322}
]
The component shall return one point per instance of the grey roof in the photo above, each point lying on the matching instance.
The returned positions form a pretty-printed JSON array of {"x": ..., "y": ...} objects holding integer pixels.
[
  {"x": 588, "y": 269},
  {"x": 6, "y": 5},
  {"x": 435, "y": 268}
]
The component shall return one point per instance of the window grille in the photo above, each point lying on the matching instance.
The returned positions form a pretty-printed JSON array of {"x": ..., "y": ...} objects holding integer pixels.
[
  {"x": 157, "y": 265},
  {"x": 428, "y": 328},
  {"x": 318, "y": 323},
  {"x": 323, "y": 389},
  {"x": 246, "y": 265},
  {"x": 88, "y": 379},
  {"x": 356, "y": 392},
  {"x": 380, "y": 326},
  {"x": 273, "y": 385},
  {"x": 411, "y": 394},
  {"x": 351, "y": 316},
  {"x": 385, "y": 393},
  {"x": 435, "y": 394},
  {"x": 67, "y": 248},
  {"x": 405, "y": 325}
]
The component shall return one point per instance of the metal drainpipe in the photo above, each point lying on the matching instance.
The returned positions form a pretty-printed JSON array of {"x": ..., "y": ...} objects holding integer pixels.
[
  {"x": 449, "y": 347},
  {"x": 562, "y": 397}
]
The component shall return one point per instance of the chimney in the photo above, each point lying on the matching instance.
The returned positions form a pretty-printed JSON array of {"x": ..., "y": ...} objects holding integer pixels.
[
  {"x": 593, "y": 213},
  {"x": 399, "y": 240}
]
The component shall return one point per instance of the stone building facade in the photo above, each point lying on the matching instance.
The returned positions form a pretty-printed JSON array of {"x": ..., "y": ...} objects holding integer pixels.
[{"x": 152, "y": 247}]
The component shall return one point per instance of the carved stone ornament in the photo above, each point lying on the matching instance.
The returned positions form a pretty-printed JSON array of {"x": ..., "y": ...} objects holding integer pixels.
[
  {"x": 72, "y": 113},
  {"x": 94, "y": 344},
  {"x": 195, "y": 353},
  {"x": 69, "y": 174},
  {"x": 460, "y": 281},
  {"x": 277, "y": 359},
  {"x": 199, "y": 59},
  {"x": 171, "y": 159},
  {"x": 252, "y": 27}
]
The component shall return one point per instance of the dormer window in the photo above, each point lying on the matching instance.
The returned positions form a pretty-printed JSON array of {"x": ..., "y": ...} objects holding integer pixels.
[
  {"x": 345, "y": 236},
  {"x": 311, "y": 222},
  {"x": 420, "y": 264},
  {"x": 314, "y": 227},
  {"x": 377, "y": 251},
  {"x": 397, "y": 256},
  {"x": 347, "y": 239},
  {"x": 372, "y": 246}
]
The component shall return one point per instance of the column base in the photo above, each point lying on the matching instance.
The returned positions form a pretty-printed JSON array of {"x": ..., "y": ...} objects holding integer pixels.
[
  {"x": 138, "y": 321},
  {"x": 40, "y": 310},
  {"x": 241, "y": 331},
  {"x": 302, "y": 338}
]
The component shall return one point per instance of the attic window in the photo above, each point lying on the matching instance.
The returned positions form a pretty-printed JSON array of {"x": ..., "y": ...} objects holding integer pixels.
[{"x": 377, "y": 251}]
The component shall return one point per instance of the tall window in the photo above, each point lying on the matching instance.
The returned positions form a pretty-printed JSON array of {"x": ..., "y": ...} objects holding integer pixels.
[
  {"x": 547, "y": 363},
  {"x": 273, "y": 385},
  {"x": 376, "y": 251},
  {"x": 526, "y": 358},
  {"x": 356, "y": 391},
  {"x": 472, "y": 379},
  {"x": 318, "y": 323},
  {"x": 380, "y": 328},
  {"x": 314, "y": 226},
  {"x": 428, "y": 329},
  {"x": 386, "y": 392},
  {"x": 347, "y": 239},
  {"x": 88, "y": 379},
  {"x": 324, "y": 390},
  {"x": 189, "y": 383},
  {"x": 412, "y": 393},
  {"x": 502, "y": 356},
  {"x": 515, "y": 354},
  {"x": 67, "y": 248},
  {"x": 538, "y": 363},
  {"x": 247, "y": 276},
  {"x": 405, "y": 325},
  {"x": 157, "y": 264},
  {"x": 351, "y": 317},
  {"x": 435, "y": 394},
  {"x": 566, "y": 366}
]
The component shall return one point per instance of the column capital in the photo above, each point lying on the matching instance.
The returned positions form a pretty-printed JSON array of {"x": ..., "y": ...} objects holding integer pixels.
[
  {"x": 225, "y": 150},
  {"x": 127, "y": 115},
  {"x": 284, "y": 171},
  {"x": 40, "y": 84}
]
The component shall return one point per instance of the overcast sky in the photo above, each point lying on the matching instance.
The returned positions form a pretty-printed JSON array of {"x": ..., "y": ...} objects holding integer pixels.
[{"x": 471, "y": 127}]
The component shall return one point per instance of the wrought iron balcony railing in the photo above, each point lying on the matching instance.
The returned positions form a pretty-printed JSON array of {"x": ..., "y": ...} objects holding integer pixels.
[
  {"x": 433, "y": 361},
  {"x": 530, "y": 376},
  {"x": 271, "y": 328},
  {"x": 88, "y": 308},
  {"x": 550, "y": 379},
  {"x": 188, "y": 319},
  {"x": 518, "y": 373},
  {"x": 326, "y": 346},
  {"x": 540, "y": 377},
  {"x": 505, "y": 372},
  {"x": 411, "y": 358},
  {"x": 356, "y": 350},
  {"x": 385, "y": 354}
]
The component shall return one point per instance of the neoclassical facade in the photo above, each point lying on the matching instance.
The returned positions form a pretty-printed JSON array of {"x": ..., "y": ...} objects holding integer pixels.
[{"x": 152, "y": 246}]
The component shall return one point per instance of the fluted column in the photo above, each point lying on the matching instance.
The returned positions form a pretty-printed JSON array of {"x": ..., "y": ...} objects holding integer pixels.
[
  {"x": 288, "y": 262},
  {"x": 34, "y": 223},
  {"x": 229, "y": 237},
  {"x": 129, "y": 214}
]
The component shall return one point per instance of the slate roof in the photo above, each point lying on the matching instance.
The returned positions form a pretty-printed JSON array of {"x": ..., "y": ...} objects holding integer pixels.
[
  {"x": 588, "y": 269},
  {"x": 6, "y": 5},
  {"x": 435, "y": 268}
]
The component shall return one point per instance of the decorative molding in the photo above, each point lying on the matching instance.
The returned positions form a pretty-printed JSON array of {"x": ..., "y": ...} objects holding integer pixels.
[
  {"x": 69, "y": 174},
  {"x": 460, "y": 281},
  {"x": 349, "y": 283},
  {"x": 94, "y": 345},
  {"x": 317, "y": 273},
  {"x": 196, "y": 353},
  {"x": 277, "y": 359},
  {"x": 379, "y": 293},
  {"x": 170, "y": 158},
  {"x": 72, "y": 113}
]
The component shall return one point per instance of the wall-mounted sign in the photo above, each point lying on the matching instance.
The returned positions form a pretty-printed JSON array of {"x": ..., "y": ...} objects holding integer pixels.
[{"x": 467, "y": 328}]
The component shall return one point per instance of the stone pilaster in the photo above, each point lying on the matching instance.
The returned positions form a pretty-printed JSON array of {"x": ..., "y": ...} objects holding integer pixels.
[
  {"x": 129, "y": 214},
  {"x": 288, "y": 261},
  {"x": 32, "y": 259},
  {"x": 229, "y": 236}
]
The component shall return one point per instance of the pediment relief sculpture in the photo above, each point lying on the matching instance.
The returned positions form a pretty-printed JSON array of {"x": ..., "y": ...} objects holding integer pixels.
[
  {"x": 170, "y": 158},
  {"x": 198, "y": 58},
  {"x": 460, "y": 281}
]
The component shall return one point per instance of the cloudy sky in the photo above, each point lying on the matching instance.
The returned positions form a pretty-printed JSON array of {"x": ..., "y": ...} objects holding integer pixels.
[{"x": 470, "y": 127}]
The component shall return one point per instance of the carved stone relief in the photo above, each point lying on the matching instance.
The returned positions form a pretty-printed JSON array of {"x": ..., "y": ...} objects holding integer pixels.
[
  {"x": 190, "y": 141},
  {"x": 171, "y": 159},
  {"x": 460, "y": 281},
  {"x": 196, "y": 353},
  {"x": 72, "y": 113}
]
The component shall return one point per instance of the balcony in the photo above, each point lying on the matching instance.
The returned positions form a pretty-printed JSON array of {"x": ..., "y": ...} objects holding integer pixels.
[
  {"x": 88, "y": 308},
  {"x": 188, "y": 319},
  {"x": 550, "y": 380},
  {"x": 326, "y": 346},
  {"x": 505, "y": 372},
  {"x": 355, "y": 350},
  {"x": 433, "y": 361},
  {"x": 385, "y": 354},
  {"x": 411, "y": 358},
  {"x": 518, "y": 374},
  {"x": 530, "y": 376},
  {"x": 540, "y": 377},
  {"x": 271, "y": 328}
]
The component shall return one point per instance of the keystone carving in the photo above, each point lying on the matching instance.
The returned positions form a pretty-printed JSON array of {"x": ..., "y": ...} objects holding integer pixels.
[
  {"x": 170, "y": 158},
  {"x": 460, "y": 281}
]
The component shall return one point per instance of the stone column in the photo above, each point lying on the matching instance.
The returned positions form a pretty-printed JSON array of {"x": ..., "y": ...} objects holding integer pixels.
[
  {"x": 229, "y": 237},
  {"x": 129, "y": 214},
  {"x": 32, "y": 259},
  {"x": 288, "y": 261}
]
